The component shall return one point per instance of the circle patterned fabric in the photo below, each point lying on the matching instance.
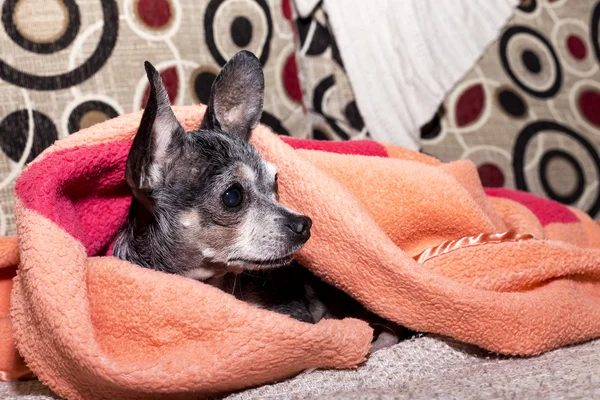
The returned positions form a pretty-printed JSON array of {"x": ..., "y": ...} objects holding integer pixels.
[
  {"x": 529, "y": 113},
  {"x": 328, "y": 97},
  {"x": 68, "y": 64}
]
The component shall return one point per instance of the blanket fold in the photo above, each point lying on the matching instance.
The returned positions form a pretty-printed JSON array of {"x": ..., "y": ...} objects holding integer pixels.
[{"x": 504, "y": 270}]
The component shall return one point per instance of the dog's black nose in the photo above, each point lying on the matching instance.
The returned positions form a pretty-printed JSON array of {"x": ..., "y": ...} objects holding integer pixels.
[{"x": 300, "y": 225}]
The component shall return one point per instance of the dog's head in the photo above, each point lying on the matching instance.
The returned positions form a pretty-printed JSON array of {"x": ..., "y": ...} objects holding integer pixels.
[{"x": 206, "y": 201}]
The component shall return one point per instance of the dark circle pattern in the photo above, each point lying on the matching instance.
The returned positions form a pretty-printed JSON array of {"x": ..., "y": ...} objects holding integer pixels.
[
  {"x": 74, "y": 23},
  {"x": 595, "y": 30},
  {"x": 209, "y": 31},
  {"x": 504, "y": 41},
  {"x": 528, "y": 6},
  {"x": 353, "y": 116},
  {"x": 318, "y": 134},
  {"x": 531, "y": 131},
  {"x": 14, "y": 130},
  {"x": 84, "y": 108},
  {"x": 512, "y": 103},
  {"x": 531, "y": 61},
  {"x": 241, "y": 31},
  {"x": 202, "y": 85},
  {"x": 320, "y": 40},
  {"x": 101, "y": 54},
  {"x": 576, "y": 193},
  {"x": 319, "y": 93},
  {"x": 432, "y": 129},
  {"x": 272, "y": 122}
]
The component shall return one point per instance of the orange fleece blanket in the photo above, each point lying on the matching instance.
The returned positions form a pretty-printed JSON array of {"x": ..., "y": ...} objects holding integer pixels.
[{"x": 417, "y": 241}]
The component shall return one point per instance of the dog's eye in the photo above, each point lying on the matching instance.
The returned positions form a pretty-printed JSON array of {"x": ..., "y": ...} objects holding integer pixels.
[
  {"x": 276, "y": 177},
  {"x": 233, "y": 196}
]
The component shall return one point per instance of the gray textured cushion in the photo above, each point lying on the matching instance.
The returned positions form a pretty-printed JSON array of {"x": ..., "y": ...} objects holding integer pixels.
[{"x": 426, "y": 368}]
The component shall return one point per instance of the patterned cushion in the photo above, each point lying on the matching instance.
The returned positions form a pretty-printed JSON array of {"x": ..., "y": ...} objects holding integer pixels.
[
  {"x": 328, "y": 97},
  {"x": 66, "y": 64},
  {"x": 528, "y": 114}
]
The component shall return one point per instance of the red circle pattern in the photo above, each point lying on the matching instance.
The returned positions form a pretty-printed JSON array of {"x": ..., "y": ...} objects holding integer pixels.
[
  {"x": 291, "y": 82},
  {"x": 491, "y": 175},
  {"x": 170, "y": 80},
  {"x": 589, "y": 105},
  {"x": 469, "y": 106},
  {"x": 286, "y": 9},
  {"x": 154, "y": 13},
  {"x": 576, "y": 47}
]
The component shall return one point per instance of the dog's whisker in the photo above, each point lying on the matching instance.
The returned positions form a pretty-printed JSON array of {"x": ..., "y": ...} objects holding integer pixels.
[{"x": 234, "y": 283}]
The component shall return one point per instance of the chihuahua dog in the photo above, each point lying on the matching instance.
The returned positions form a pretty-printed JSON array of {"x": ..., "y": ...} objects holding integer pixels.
[{"x": 205, "y": 202}]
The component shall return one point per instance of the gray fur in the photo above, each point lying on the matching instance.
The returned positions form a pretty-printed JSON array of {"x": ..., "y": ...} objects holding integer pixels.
[{"x": 178, "y": 222}]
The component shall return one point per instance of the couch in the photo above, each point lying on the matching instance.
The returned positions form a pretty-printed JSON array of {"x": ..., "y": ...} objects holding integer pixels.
[{"x": 527, "y": 115}]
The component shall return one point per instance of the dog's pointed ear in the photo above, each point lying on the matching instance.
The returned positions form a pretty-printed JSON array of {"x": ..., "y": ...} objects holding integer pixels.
[
  {"x": 236, "y": 98},
  {"x": 158, "y": 135}
]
